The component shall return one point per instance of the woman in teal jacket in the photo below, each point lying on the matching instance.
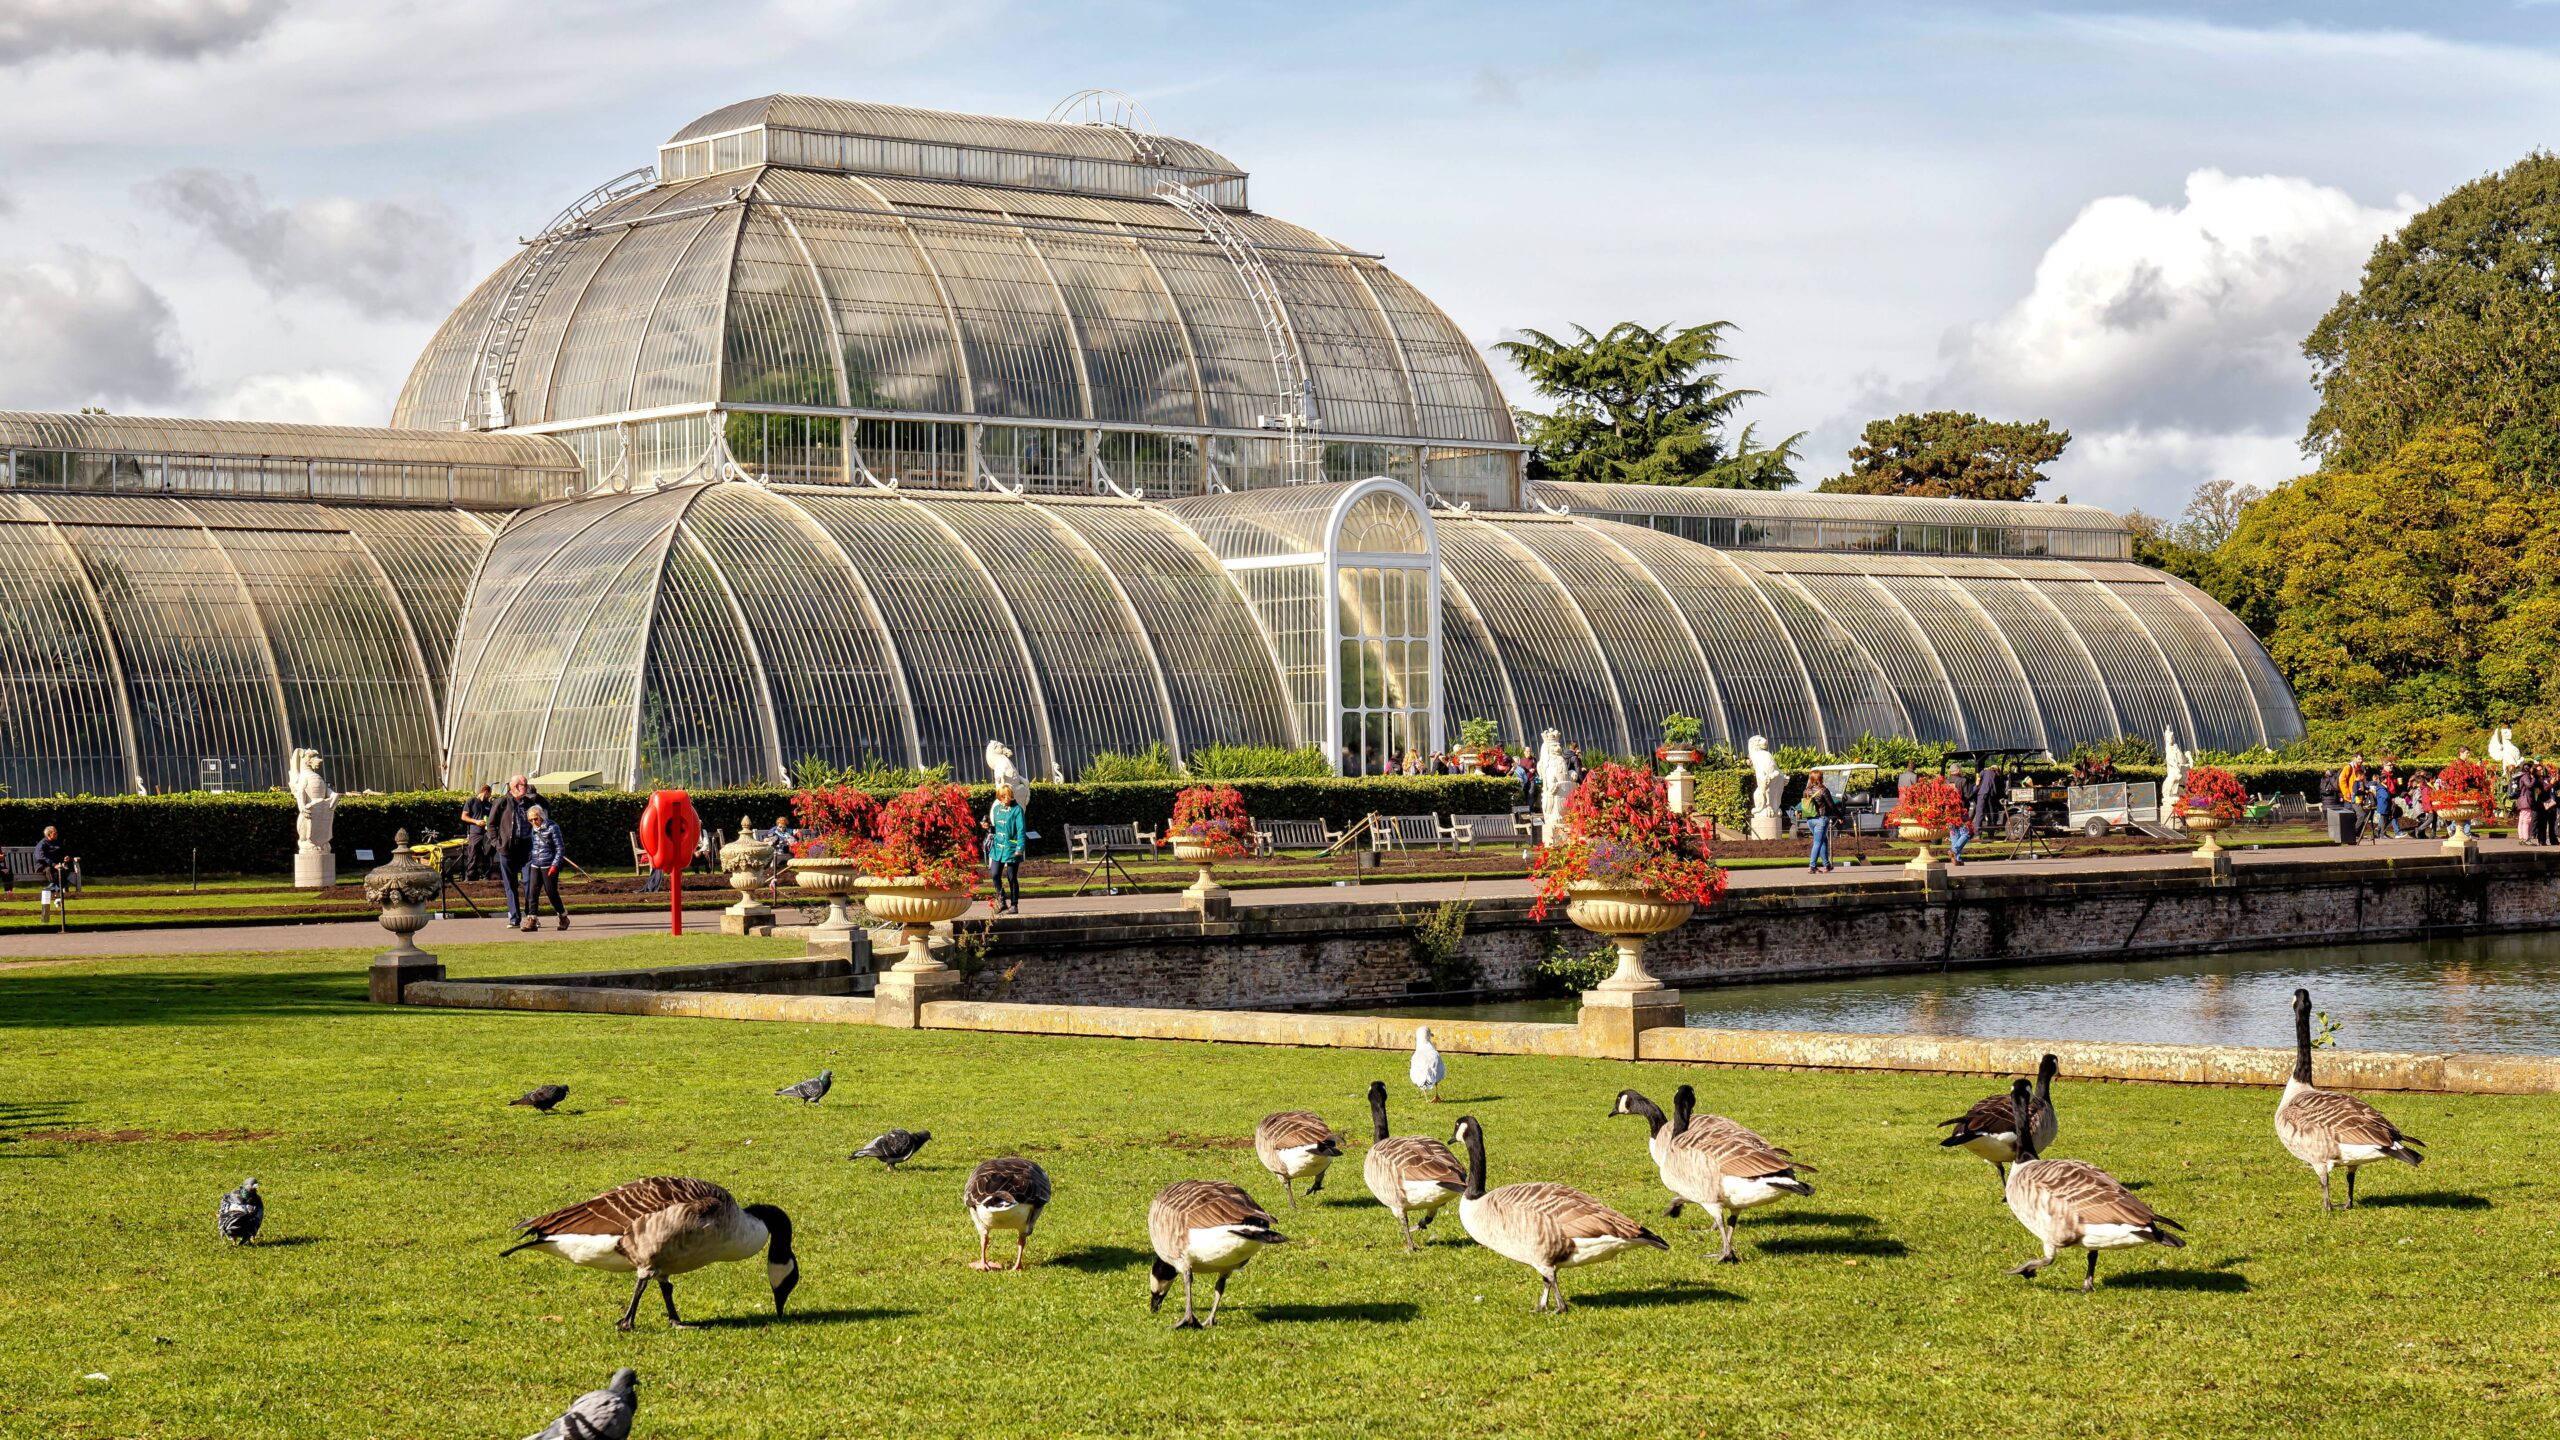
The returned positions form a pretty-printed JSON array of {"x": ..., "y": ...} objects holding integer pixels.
[{"x": 1004, "y": 852}]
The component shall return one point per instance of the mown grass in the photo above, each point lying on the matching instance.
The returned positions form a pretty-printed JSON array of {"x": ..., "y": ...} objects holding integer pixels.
[{"x": 376, "y": 1303}]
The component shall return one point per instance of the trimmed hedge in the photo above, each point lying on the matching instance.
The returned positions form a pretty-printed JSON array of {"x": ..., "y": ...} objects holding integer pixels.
[{"x": 254, "y": 833}]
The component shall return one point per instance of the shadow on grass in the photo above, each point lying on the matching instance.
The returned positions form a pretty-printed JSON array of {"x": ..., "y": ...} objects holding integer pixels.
[
  {"x": 2222, "y": 1277},
  {"x": 282, "y": 1242},
  {"x": 1101, "y": 1259},
  {"x": 840, "y": 1315},
  {"x": 2423, "y": 1200},
  {"x": 1883, "y": 1246},
  {"x": 19, "y": 1116},
  {"x": 1843, "y": 1219},
  {"x": 1380, "y": 1312},
  {"x": 1678, "y": 1292},
  {"x": 125, "y": 998}
]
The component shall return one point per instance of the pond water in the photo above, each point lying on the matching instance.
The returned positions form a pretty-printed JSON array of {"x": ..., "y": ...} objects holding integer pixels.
[{"x": 2496, "y": 993}]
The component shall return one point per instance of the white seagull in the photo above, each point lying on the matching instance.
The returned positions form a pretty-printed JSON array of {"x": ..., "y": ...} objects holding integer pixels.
[{"x": 1428, "y": 1068}]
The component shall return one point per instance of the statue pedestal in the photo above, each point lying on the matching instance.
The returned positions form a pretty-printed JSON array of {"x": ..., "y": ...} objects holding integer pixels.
[
  {"x": 1768, "y": 826},
  {"x": 1681, "y": 788},
  {"x": 747, "y": 917},
  {"x": 394, "y": 971},
  {"x": 899, "y": 996},
  {"x": 1610, "y": 1020},
  {"x": 314, "y": 868}
]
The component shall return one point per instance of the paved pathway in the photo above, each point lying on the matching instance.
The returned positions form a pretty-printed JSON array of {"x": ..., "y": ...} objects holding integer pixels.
[{"x": 365, "y": 935}]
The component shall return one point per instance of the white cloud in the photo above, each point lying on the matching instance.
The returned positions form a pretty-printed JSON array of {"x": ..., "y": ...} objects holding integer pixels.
[
  {"x": 311, "y": 397},
  {"x": 84, "y": 329},
  {"x": 164, "y": 29},
  {"x": 396, "y": 256}
]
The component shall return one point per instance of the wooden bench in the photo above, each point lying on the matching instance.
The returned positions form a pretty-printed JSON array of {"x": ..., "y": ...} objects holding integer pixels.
[
  {"x": 1409, "y": 832},
  {"x": 1092, "y": 842},
  {"x": 21, "y": 862},
  {"x": 1503, "y": 829},
  {"x": 1294, "y": 835}
]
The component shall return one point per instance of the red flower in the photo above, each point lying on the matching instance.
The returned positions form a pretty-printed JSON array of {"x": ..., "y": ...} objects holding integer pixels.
[
  {"x": 1620, "y": 831},
  {"x": 2464, "y": 782},
  {"x": 839, "y": 818},
  {"x": 1931, "y": 804},
  {"x": 2211, "y": 791},
  {"x": 926, "y": 835},
  {"x": 1215, "y": 816}
]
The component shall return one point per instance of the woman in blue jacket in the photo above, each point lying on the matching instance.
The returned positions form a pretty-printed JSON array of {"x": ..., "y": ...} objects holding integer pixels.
[
  {"x": 542, "y": 869},
  {"x": 1004, "y": 852}
]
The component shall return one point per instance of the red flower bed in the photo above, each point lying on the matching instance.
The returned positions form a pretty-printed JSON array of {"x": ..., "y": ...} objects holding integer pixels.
[
  {"x": 1620, "y": 831},
  {"x": 1213, "y": 815},
  {"x": 1931, "y": 803},
  {"x": 926, "y": 835},
  {"x": 2464, "y": 782},
  {"x": 2211, "y": 791},
  {"x": 839, "y": 818}
]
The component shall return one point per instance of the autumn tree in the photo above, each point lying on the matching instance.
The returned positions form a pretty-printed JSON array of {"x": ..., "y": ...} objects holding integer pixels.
[{"x": 1951, "y": 453}]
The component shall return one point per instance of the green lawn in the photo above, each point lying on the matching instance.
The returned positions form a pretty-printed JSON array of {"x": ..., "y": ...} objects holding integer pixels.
[{"x": 376, "y": 1303}]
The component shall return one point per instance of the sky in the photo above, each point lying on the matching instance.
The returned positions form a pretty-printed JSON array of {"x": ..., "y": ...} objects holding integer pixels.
[{"x": 2122, "y": 219}]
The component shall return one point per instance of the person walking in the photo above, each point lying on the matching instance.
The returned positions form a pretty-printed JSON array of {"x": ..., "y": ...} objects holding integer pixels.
[
  {"x": 1960, "y": 834},
  {"x": 478, "y": 856},
  {"x": 1990, "y": 796},
  {"x": 1821, "y": 811},
  {"x": 511, "y": 834},
  {"x": 544, "y": 851},
  {"x": 1004, "y": 852}
]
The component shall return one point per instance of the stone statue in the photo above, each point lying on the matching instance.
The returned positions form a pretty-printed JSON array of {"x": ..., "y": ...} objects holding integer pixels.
[
  {"x": 2174, "y": 783},
  {"x": 1555, "y": 784},
  {"x": 315, "y": 865},
  {"x": 1768, "y": 791},
  {"x": 1007, "y": 776},
  {"x": 2502, "y": 748}
]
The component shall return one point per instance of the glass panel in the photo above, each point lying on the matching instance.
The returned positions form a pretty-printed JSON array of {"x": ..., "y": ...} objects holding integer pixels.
[
  {"x": 700, "y": 714},
  {"x": 1379, "y": 523},
  {"x": 58, "y": 731}
]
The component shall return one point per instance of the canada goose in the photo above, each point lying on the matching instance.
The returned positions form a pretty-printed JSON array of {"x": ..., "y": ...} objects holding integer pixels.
[
  {"x": 2326, "y": 1130},
  {"x": 1990, "y": 1128},
  {"x": 240, "y": 1213},
  {"x": 599, "y": 1414},
  {"x": 542, "y": 1098},
  {"x": 811, "y": 1091},
  {"x": 894, "y": 1148},
  {"x": 1427, "y": 1069},
  {"x": 2074, "y": 1203},
  {"x": 1005, "y": 1194},
  {"x": 1685, "y": 1117},
  {"x": 1723, "y": 1167},
  {"x": 1294, "y": 1144},
  {"x": 663, "y": 1227},
  {"x": 1203, "y": 1227},
  {"x": 1408, "y": 1173},
  {"x": 1544, "y": 1226}
]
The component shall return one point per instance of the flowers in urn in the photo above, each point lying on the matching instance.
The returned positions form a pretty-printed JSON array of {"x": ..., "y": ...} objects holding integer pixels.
[
  {"x": 2463, "y": 784},
  {"x": 835, "y": 820},
  {"x": 1478, "y": 748},
  {"x": 2210, "y": 791},
  {"x": 926, "y": 837},
  {"x": 1929, "y": 804},
  {"x": 1621, "y": 833},
  {"x": 1212, "y": 820},
  {"x": 1680, "y": 736}
]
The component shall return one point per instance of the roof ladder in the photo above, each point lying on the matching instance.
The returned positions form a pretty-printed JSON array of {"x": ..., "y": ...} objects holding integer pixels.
[
  {"x": 491, "y": 403},
  {"x": 1296, "y": 388}
]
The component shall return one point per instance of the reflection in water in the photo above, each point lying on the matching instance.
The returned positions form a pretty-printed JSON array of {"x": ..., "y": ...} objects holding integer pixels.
[{"x": 2487, "y": 993}]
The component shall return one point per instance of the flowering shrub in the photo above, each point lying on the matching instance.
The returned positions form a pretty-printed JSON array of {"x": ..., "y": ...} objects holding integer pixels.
[
  {"x": 1931, "y": 804},
  {"x": 926, "y": 835},
  {"x": 1214, "y": 816},
  {"x": 839, "y": 819},
  {"x": 2211, "y": 791},
  {"x": 2463, "y": 782},
  {"x": 1620, "y": 831},
  {"x": 1493, "y": 760},
  {"x": 1476, "y": 734}
]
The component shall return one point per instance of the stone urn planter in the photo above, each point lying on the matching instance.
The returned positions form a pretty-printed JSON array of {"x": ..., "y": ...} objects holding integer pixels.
[
  {"x": 2206, "y": 824},
  {"x": 751, "y": 865},
  {"x": 403, "y": 887},
  {"x": 1205, "y": 893},
  {"x": 2461, "y": 817},
  {"x": 915, "y": 908},
  {"x": 1626, "y": 918},
  {"x": 838, "y": 878},
  {"x": 1924, "y": 836}
]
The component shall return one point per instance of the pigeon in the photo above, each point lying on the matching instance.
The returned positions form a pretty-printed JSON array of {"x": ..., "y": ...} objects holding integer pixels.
[
  {"x": 542, "y": 1098},
  {"x": 895, "y": 1148},
  {"x": 241, "y": 1213},
  {"x": 599, "y": 1414},
  {"x": 811, "y": 1091},
  {"x": 1428, "y": 1068}
]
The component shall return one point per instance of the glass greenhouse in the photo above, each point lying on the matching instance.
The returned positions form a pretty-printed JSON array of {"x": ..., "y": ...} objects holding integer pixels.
[{"x": 862, "y": 432}]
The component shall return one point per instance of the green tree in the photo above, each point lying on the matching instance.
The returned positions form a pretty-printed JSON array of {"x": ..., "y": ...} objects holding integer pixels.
[
  {"x": 1953, "y": 454},
  {"x": 1643, "y": 407},
  {"x": 2456, "y": 322}
]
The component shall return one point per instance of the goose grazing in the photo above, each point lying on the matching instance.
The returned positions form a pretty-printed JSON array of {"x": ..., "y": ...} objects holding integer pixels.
[
  {"x": 895, "y": 1148},
  {"x": 810, "y": 1091},
  {"x": 1990, "y": 1128},
  {"x": 2328, "y": 1131},
  {"x": 660, "y": 1228},
  {"x": 1685, "y": 1116},
  {"x": 2067, "y": 1203},
  {"x": 1203, "y": 1227},
  {"x": 1295, "y": 1144},
  {"x": 542, "y": 1098},
  {"x": 241, "y": 1213},
  {"x": 1005, "y": 1194},
  {"x": 1408, "y": 1173},
  {"x": 1428, "y": 1069},
  {"x": 1544, "y": 1226},
  {"x": 599, "y": 1414},
  {"x": 1722, "y": 1167}
]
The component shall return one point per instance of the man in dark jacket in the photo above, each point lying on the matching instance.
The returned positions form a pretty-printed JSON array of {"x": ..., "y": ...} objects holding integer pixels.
[
  {"x": 1990, "y": 795},
  {"x": 511, "y": 832}
]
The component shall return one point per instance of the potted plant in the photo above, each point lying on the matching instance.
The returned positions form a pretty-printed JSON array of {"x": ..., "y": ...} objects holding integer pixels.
[
  {"x": 1627, "y": 867},
  {"x": 923, "y": 868},
  {"x": 1476, "y": 747},
  {"x": 1926, "y": 811},
  {"x": 838, "y": 822},
  {"x": 2463, "y": 792},
  {"x": 1680, "y": 735},
  {"x": 2211, "y": 799},
  {"x": 1209, "y": 825}
]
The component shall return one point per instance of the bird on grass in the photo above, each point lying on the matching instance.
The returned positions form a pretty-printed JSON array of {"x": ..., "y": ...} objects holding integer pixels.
[
  {"x": 1544, "y": 1226},
  {"x": 1005, "y": 1194},
  {"x": 2329, "y": 1131},
  {"x": 1990, "y": 1130},
  {"x": 1295, "y": 1144},
  {"x": 662, "y": 1227},
  {"x": 1203, "y": 1227},
  {"x": 599, "y": 1414},
  {"x": 2073, "y": 1204},
  {"x": 1723, "y": 1168},
  {"x": 894, "y": 1148},
  {"x": 1409, "y": 1174},
  {"x": 542, "y": 1098},
  {"x": 811, "y": 1091},
  {"x": 1427, "y": 1069},
  {"x": 241, "y": 1213},
  {"x": 1685, "y": 1117}
]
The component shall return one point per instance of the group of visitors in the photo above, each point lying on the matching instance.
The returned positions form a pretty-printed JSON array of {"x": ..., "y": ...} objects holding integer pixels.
[
  {"x": 2535, "y": 798},
  {"x": 2389, "y": 803},
  {"x": 515, "y": 835}
]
